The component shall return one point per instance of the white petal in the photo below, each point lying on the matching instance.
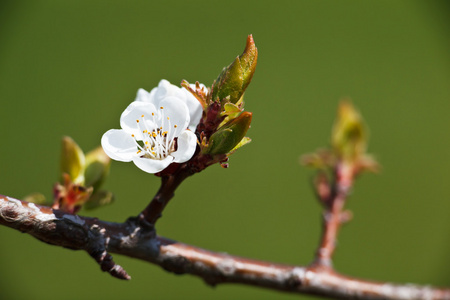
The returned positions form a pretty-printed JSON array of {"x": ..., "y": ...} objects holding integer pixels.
[
  {"x": 134, "y": 112},
  {"x": 178, "y": 112},
  {"x": 187, "y": 143},
  {"x": 119, "y": 145},
  {"x": 195, "y": 110},
  {"x": 152, "y": 165},
  {"x": 166, "y": 89},
  {"x": 151, "y": 96},
  {"x": 161, "y": 91},
  {"x": 142, "y": 95}
]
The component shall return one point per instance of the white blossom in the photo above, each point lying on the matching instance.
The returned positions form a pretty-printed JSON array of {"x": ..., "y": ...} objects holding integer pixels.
[{"x": 157, "y": 129}]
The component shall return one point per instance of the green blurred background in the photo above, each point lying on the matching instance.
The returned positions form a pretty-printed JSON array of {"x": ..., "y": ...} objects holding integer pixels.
[{"x": 71, "y": 67}]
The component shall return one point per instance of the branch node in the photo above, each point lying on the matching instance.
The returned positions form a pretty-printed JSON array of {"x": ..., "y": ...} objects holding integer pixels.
[{"x": 97, "y": 250}]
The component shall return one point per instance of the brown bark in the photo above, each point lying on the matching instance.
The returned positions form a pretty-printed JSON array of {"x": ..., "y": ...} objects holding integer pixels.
[{"x": 99, "y": 238}]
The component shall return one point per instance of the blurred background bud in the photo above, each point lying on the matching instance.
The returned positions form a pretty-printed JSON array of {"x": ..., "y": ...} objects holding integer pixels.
[
  {"x": 348, "y": 145},
  {"x": 349, "y": 135},
  {"x": 321, "y": 159}
]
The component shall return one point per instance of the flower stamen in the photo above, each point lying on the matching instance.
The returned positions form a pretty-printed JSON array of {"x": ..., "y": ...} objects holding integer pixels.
[{"x": 156, "y": 143}]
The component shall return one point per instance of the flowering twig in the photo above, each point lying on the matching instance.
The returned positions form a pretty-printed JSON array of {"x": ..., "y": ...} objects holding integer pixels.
[
  {"x": 99, "y": 238},
  {"x": 338, "y": 167}
]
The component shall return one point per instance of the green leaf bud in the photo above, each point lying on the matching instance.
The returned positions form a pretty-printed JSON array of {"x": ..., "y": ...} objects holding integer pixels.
[
  {"x": 230, "y": 136},
  {"x": 234, "y": 79},
  {"x": 72, "y": 160},
  {"x": 349, "y": 135},
  {"x": 97, "y": 167},
  {"x": 99, "y": 198}
]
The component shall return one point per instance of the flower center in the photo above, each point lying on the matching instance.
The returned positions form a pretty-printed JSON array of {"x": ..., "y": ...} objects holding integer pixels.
[{"x": 158, "y": 140}]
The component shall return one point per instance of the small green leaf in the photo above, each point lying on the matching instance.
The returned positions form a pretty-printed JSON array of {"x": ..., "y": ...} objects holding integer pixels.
[
  {"x": 321, "y": 159},
  {"x": 229, "y": 136},
  {"x": 97, "y": 167},
  {"x": 99, "y": 198},
  {"x": 231, "y": 111},
  {"x": 37, "y": 198},
  {"x": 243, "y": 142},
  {"x": 230, "y": 108}
]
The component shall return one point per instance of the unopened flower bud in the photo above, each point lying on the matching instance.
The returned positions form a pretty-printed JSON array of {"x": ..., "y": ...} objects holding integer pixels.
[
  {"x": 234, "y": 79},
  {"x": 230, "y": 136}
]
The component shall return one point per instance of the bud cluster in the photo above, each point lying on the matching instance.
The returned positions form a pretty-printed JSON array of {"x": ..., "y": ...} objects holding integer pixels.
[
  {"x": 82, "y": 175},
  {"x": 224, "y": 122},
  {"x": 346, "y": 158},
  {"x": 349, "y": 138}
]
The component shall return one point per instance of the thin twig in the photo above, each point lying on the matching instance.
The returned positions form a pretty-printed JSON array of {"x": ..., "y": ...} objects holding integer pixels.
[
  {"x": 133, "y": 240},
  {"x": 169, "y": 183},
  {"x": 333, "y": 215}
]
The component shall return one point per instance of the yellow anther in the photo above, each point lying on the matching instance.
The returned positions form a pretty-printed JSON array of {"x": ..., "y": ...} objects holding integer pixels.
[
  {"x": 142, "y": 116},
  {"x": 175, "y": 126},
  {"x": 167, "y": 118},
  {"x": 132, "y": 135},
  {"x": 153, "y": 114},
  {"x": 146, "y": 142},
  {"x": 165, "y": 133},
  {"x": 154, "y": 153},
  {"x": 137, "y": 121},
  {"x": 154, "y": 134}
]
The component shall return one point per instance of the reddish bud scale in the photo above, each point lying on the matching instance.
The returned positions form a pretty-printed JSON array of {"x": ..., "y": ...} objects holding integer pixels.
[
  {"x": 70, "y": 197},
  {"x": 211, "y": 120}
]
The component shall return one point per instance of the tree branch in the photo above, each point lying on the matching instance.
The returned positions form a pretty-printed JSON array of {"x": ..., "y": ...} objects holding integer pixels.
[{"x": 131, "y": 238}]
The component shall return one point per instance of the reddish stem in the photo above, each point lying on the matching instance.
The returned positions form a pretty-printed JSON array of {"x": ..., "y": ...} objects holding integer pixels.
[{"x": 333, "y": 215}]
